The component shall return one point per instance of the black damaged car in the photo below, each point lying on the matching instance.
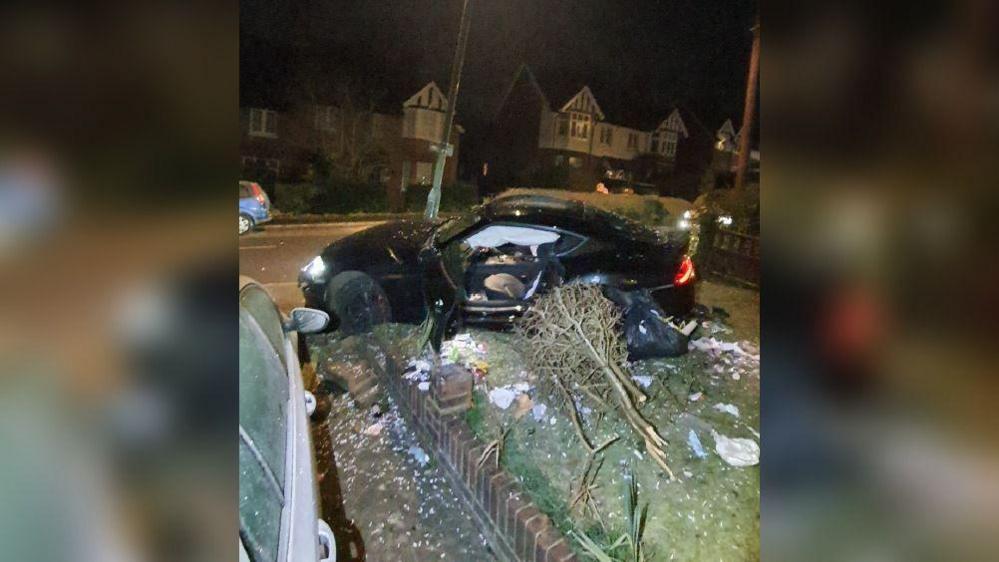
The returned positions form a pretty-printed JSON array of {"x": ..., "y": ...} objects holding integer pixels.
[{"x": 487, "y": 266}]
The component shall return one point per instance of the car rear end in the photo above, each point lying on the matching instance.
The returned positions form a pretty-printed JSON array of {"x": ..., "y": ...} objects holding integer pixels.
[
  {"x": 676, "y": 297},
  {"x": 254, "y": 202}
]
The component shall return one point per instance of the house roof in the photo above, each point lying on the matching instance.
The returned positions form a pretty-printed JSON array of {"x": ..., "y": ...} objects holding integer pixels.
[{"x": 618, "y": 106}]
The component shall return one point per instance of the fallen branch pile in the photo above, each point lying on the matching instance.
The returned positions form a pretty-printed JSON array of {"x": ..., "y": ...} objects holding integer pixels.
[{"x": 574, "y": 344}]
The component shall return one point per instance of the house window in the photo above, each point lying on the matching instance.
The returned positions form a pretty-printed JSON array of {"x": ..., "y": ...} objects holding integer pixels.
[
  {"x": 263, "y": 123},
  {"x": 654, "y": 145},
  {"x": 606, "y": 135},
  {"x": 562, "y": 128},
  {"x": 424, "y": 173},
  {"x": 326, "y": 118},
  {"x": 633, "y": 140},
  {"x": 579, "y": 125},
  {"x": 575, "y": 161},
  {"x": 559, "y": 159},
  {"x": 670, "y": 145}
]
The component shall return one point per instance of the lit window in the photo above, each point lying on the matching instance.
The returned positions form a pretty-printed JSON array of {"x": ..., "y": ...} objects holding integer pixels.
[
  {"x": 575, "y": 161},
  {"x": 606, "y": 135},
  {"x": 263, "y": 123},
  {"x": 632, "y": 140}
]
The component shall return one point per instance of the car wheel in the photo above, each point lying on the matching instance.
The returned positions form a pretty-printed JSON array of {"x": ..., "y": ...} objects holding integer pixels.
[
  {"x": 358, "y": 302},
  {"x": 245, "y": 223}
]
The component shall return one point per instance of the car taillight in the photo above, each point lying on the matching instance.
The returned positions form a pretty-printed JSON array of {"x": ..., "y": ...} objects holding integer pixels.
[
  {"x": 260, "y": 199},
  {"x": 685, "y": 274}
]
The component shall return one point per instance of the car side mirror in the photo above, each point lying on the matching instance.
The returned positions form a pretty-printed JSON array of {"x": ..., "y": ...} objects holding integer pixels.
[{"x": 306, "y": 321}]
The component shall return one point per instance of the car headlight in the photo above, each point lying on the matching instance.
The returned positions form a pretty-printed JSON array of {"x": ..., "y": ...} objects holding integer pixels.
[{"x": 315, "y": 270}]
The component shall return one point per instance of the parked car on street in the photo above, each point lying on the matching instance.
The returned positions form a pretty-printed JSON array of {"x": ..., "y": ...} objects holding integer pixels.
[
  {"x": 279, "y": 517},
  {"x": 486, "y": 266},
  {"x": 254, "y": 206}
]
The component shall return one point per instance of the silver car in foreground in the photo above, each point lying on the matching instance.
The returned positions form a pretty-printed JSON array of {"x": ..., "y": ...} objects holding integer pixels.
[{"x": 278, "y": 506}]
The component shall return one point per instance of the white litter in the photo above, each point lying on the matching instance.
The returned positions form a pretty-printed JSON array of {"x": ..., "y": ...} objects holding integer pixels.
[
  {"x": 712, "y": 344},
  {"x": 644, "y": 381},
  {"x": 424, "y": 386},
  {"x": 552, "y": 421},
  {"x": 695, "y": 396},
  {"x": 374, "y": 429},
  {"x": 538, "y": 412},
  {"x": 695, "y": 445},
  {"x": 419, "y": 455},
  {"x": 728, "y": 408},
  {"x": 502, "y": 397},
  {"x": 736, "y": 451}
]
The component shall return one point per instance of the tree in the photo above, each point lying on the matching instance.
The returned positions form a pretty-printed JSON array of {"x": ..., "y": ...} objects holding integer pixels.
[{"x": 346, "y": 140}]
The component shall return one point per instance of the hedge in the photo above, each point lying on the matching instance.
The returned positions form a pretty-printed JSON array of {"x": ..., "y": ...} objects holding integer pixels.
[{"x": 342, "y": 197}]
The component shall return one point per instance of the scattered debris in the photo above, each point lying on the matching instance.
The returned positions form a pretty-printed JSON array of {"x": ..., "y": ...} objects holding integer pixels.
[
  {"x": 538, "y": 412},
  {"x": 695, "y": 396},
  {"x": 417, "y": 370},
  {"x": 502, "y": 397},
  {"x": 737, "y": 451},
  {"x": 695, "y": 445},
  {"x": 645, "y": 381},
  {"x": 728, "y": 408},
  {"x": 424, "y": 386},
  {"x": 524, "y": 405},
  {"x": 419, "y": 455},
  {"x": 712, "y": 344},
  {"x": 463, "y": 350},
  {"x": 374, "y": 429}
]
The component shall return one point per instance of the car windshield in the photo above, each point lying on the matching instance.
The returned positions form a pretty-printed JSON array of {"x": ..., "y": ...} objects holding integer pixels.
[{"x": 454, "y": 226}]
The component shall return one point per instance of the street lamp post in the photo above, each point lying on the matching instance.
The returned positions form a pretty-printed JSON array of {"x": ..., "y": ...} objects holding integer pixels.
[
  {"x": 444, "y": 148},
  {"x": 747, "y": 112}
]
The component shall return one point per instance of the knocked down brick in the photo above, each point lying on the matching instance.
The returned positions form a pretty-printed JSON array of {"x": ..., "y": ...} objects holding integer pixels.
[{"x": 356, "y": 377}]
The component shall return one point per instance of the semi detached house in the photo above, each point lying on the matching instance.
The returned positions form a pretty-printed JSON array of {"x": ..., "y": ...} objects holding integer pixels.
[
  {"x": 553, "y": 142},
  {"x": 390, "y": 148}
]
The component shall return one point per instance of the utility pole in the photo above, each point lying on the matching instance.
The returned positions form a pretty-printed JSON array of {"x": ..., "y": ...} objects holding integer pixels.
[
  {"x": 747, "y": 111},
  {"x": 444, "y": 148}
]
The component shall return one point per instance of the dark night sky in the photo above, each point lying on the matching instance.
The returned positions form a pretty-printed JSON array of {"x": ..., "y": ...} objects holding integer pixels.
[{"x": 639, "y": 57}]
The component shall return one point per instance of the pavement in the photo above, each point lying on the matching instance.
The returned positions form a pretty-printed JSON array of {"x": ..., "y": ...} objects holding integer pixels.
[{"x": 273, "y": 255}]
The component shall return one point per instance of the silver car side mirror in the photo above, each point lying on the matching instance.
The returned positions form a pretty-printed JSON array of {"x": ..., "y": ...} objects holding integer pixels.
[{"x": 306, "y": 321}]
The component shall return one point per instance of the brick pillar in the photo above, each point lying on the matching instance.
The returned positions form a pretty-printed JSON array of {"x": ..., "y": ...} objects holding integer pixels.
[{"x": 451, "y": 391}]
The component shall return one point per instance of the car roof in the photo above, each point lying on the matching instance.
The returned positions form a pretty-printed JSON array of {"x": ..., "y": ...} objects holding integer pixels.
[
  {"x": 576, "y": 214},
  {"x": 509, "y": 205}
]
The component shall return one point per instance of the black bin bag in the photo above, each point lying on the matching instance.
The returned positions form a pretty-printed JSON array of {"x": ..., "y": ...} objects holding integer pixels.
[{"x": 647, "y": 332}]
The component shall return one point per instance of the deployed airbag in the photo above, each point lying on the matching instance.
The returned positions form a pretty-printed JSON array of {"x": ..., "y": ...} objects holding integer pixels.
[{"x": 496, "y": 236}]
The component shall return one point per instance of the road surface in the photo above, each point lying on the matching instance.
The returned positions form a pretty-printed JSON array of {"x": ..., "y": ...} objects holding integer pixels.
[{"x": 273, "y": 255}]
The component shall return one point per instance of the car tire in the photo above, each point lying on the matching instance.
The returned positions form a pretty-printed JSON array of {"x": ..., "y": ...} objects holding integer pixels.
[
  {"x": 246, "y": 223},
  {"x": 358, "y": 302}
]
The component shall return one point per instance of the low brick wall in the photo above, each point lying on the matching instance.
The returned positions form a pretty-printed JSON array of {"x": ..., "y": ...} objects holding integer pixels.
[{"x": 514, "y": 527}]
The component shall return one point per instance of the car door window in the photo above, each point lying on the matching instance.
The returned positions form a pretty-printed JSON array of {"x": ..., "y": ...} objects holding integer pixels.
[
  {"x": 259, "y": 304},
  {"x": 259, "y": 508},
  {"x": 244, "y": 191},
  {"x": 263, "y": 418},
  {"x": 263, "y": 396}
]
